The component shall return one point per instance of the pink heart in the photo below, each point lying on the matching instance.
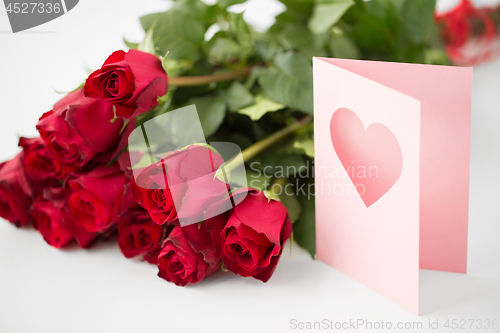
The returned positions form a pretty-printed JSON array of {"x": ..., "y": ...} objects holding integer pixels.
[{"x": 372, "y": 158}]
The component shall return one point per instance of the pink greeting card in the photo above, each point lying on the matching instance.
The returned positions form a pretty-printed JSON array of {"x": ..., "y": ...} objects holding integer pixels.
[{"x": 392, "y": 152}]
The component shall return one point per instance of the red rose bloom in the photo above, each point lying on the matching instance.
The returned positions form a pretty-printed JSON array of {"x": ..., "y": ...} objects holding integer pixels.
[
  {"x": 139, "y": 235},
  {"x": 52, "y": 218},
  {"x": 185, "y": 191},
  {"x": 251, "y": 236},
  {"x": 188, "y": 256},
  {"x": 49, "y": 219},
  {"x": 131, "y": 80},
  {"x": 15, "y": 193},
  {"x": 456, "y": 24},
  {"x": 38, "y": 161},
  {"x": 96, "y": 198},
  {"x": 77, "y": 128}
]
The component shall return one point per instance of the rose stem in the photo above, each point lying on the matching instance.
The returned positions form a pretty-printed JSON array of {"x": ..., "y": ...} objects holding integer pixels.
[
  {"x": 188, "y": 81},
  {"x": 265, "y": 143}
]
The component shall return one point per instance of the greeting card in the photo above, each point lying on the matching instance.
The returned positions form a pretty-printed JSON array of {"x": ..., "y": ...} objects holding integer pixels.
[{"x": 392, "y": 147}]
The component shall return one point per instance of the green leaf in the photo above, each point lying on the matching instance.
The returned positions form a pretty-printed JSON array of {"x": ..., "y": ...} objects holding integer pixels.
[
  {"x": 211, "y": 110},
  {"x": 326, "y": 15},
  {"x": 176, "y": 32},
  {"x": 298, "y": 5},
  {"x": 290, "y": 201},
  {"x": 252, "y": 78},
  {"x": 343, "y": 47},
  {"x": 147, "y": 44},
  {"x": 306, "y": 146},
  {"x": 176, "y": 67},
  {"x": 383, "y": 8},
  {"x": 417, "y": 18},
  {"x": 237, "y": 96},
  {"x": 227, "y": 3},
  {"x": 298, "y": 37},
  {"x": 304, "y": 229},
  {"x": 398, "y": 5},
  {"x": 67, "y": 92},
  {"x": 224, "y": 50},
  {"x": 196, "y": 8},
  {"x": 242, "y": 33},
  {"x": 268, "y": 49},
  {"x": 297, "y": 11},
  {"x": 130, "y": 45},
  {"x": 375, "y": 28},
  {"x": 262, "y": 106},
  {"x": 436, "y": 56},
  {"x": 289, "y": 81},
  {"x": 270, "y": 195},
  {"x": 295, "y": 36}
]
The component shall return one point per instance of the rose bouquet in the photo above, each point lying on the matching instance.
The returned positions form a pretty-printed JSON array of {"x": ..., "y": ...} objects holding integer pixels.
[{"x": 83, "y": 180}]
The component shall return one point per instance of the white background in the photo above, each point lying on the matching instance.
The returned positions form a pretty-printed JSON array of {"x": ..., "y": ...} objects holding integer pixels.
[{"x": 98, "y": 290}]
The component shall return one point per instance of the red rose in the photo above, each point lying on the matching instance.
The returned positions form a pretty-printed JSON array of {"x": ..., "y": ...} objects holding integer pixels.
[
  {"x": 38, "y": 160},
  {"x": 52, "y": 218},
  {"x": 188, "y": 256},
  {"x": 251, "y": 236},
  {"x": 185, "y": 191},
  {"x": 84, "y": 238},
  {"x": 96, "y": 198},
  {"x": 15, "y": 193},
  {"x": 77, "y": 128},
  {"x": 139, "y": 235},
  {"x": 456, "y": 25},
  {"x": 132, "y": 81}
]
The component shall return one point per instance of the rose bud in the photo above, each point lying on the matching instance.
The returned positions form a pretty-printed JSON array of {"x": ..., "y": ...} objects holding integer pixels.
[
  {"x": 131, "y": 80},
  {"x": 77, "y": 128},
  {"x": 96, "y": 198},
  {"x": 139, "y": 235},
  {"x": 52, "y": 218},
  {"x": 251, "y": 235},
  {"x": 15, "y": 193},
  {"x": 188, "y": 256},
  {"x": 180, "y": 186}
]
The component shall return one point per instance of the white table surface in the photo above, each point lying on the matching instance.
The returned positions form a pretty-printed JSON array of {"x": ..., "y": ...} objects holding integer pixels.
[{"x": 98, "y": 290}]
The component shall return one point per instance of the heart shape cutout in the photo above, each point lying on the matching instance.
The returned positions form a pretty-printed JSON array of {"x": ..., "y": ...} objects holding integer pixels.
[{"x": 372, "y": 158}]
